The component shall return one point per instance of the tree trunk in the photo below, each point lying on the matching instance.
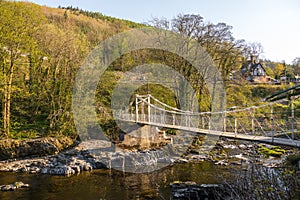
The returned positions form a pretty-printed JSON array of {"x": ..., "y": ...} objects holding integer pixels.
[
  {"x": 4, "y": 106},
  {"x": 8, "y": 99}
]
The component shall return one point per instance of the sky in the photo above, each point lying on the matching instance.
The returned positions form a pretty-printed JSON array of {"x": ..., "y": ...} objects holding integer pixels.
[{"x": 273, "y": 23}]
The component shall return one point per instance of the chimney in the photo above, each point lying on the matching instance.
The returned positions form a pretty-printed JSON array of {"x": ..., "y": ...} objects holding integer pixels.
[{"x": 253, "y": 59}]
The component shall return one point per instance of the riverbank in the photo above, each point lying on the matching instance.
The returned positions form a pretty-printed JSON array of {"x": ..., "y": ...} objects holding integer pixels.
[
  {"x": 101, "y": 154},
  {"x": 14, "y": 148}
]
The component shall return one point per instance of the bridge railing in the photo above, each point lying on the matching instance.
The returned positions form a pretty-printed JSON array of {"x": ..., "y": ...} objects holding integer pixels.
[{"x": 263, "y": 120}]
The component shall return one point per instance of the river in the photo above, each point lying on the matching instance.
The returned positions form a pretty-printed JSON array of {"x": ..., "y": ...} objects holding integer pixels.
[{"x": 111, "y": 184}]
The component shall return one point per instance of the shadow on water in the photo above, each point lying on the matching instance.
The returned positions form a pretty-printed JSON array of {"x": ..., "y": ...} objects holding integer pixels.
[{"x": 111, "y": 184}]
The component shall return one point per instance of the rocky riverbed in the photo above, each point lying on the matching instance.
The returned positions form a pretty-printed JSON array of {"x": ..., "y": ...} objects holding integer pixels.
[
  {"x": 97, "y": 154},
  {"x": 232, "y": 152},
  {"x": 87, "y": 156}
]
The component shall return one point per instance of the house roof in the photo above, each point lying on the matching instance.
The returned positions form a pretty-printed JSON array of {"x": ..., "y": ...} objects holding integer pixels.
[
  {"x": 255, "y": 65},
  {"x": 251, "y": 66}
]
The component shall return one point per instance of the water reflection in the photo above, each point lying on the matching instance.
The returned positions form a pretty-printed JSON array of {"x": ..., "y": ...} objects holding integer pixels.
[{"x": 111, "y": 184}]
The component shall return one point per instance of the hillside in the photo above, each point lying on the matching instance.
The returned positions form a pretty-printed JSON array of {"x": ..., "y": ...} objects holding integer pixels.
[
  {"x": 42, "y": 48},
  {"x": 48, "y": 46}
]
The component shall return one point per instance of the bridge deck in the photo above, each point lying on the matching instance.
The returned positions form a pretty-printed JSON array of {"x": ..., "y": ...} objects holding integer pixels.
[{"x": 262, "y": 139}]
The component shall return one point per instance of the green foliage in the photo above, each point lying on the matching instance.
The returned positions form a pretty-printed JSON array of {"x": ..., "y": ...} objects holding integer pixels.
[
  {"x": 238, "y": 95},
  {"x": 160, "y": 92},
  {"x": 19, "y": 23},
  {"x": 296, "y": 66},
  {"x": 97, "y": 15},
  {"x": 262, "y": 91},
  {"x": 24, "y": 134},
  {"x": 43, "y": 80},
  {"x": 170, "y": 131},
  {"x": 269, "y": 72},
  {"x": 197, "y": 142},
  {"x": 111, "y": 129},
  {"x": 279, "y": 70}
]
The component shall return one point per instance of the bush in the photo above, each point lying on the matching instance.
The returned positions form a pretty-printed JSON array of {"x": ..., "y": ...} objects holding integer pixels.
[{"x": 292, "y": 159}]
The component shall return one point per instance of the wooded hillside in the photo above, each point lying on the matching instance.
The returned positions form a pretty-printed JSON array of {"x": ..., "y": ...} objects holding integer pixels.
[{"x": 42, "y": 48}]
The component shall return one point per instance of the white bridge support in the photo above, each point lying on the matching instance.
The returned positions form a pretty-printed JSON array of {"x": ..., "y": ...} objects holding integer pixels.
[{"x": 257, "y": 123}]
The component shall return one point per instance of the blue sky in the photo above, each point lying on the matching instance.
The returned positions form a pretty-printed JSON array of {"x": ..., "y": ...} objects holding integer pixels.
[{"x": 273, "y": 23}]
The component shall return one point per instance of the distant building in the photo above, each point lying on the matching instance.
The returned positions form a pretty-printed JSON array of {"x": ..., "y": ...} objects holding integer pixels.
[
  {"x": 297, "y": 78},
  {"x": 254, "y": 71}
]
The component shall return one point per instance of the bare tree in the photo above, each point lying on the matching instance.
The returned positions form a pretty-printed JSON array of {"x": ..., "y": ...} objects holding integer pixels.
[{"x": 256, "y": 48}]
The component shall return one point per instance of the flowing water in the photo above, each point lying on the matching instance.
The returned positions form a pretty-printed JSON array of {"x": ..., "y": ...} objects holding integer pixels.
[{"x": 111, "y": 184}]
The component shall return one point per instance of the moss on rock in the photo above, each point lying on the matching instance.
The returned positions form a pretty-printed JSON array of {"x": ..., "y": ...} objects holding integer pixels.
[
  {"x": 12, "y": 148},
  {"x": 267, "y": 151}
]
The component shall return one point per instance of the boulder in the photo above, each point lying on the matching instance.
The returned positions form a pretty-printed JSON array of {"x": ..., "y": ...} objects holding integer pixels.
[
  {"x": 191, "y": 190},
  {"x": 61, "y": 170}
]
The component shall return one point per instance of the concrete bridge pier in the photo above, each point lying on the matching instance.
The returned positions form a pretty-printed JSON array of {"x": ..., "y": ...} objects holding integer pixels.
[{"x": 145, "y": 137}]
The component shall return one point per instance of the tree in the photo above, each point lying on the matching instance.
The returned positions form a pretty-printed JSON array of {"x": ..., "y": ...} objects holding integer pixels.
[
  {"x": 279, "y": 70},
  {"x": 216, "y": 39},
  {"x": 289, "y": 71},
  {"x": 64, "y": 49},
  {"x": 18, "y": 23},
  {"x": 296, "y": 65},
  {"x": 187, "y": 25},
  {"x": 269, "y": 71},
  {"x": 256, "y": 48}
]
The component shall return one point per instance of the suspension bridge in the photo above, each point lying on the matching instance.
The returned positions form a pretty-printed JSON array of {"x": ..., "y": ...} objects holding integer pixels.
[{"x": 273, "y": 121}]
